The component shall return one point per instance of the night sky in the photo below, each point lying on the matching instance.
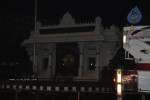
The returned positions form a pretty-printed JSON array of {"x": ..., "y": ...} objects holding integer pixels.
[
  {"x": 111, "y": 11},
  {"x": 51, "y": 11}
]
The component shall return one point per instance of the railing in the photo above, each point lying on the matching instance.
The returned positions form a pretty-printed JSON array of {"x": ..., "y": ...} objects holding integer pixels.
[
  {"x": 58, "y": 85},
  {"x": 63, "y": 90}
]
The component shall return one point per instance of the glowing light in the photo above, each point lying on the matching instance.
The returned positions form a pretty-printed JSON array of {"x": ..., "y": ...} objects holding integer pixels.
[
  {"x": 119, "y": 82},
  {"x": 119, "y": 90},
  {"x": 114, "y": 79},
  {"x": 119, "y": 76},
  {"x": 124, "y": 39}
]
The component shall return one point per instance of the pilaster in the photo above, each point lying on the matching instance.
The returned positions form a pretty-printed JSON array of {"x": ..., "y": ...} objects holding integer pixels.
[
  {"x": 97, "y": 69},
  {"x": 49, "y": 69},
  {"x": 81, "y": 49}
]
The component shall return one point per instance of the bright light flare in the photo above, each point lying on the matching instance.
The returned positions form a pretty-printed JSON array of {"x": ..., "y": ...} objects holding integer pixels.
[
  {"x": 124, "y": 39},
  {"x": 114, "y": 80},
  {"x": 119, "y": 78},
  {"x": 119, "y": 90}
]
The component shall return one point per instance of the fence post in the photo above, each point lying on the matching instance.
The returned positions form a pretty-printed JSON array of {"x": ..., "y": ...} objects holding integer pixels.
[
  {"x": 143, "y": 97},
  {"x": 16, "y": 95}
]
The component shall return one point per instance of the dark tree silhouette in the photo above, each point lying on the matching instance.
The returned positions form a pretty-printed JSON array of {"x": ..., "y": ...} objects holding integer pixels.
[{"x": 118, "y": 61}]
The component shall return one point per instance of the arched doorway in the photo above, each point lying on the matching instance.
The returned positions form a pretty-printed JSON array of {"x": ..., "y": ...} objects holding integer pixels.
[{"x": 67, "y": 59}]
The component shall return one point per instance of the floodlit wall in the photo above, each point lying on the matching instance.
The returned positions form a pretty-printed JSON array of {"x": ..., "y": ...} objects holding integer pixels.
[{"x": 143, "y": 81}]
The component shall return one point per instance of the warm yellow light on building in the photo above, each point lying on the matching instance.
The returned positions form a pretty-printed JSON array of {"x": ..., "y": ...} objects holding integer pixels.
[
  {"x": 114, "y": 80},
  {"x": 119, "y": 90},
  {"x": 124, "y": 39},
  {"x": 119, "y": 78},
  {"x": 119, "y": 83}
]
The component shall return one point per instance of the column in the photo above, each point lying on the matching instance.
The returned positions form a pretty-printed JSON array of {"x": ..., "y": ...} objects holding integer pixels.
[
  {"x": 50, "y": 51},
  {"x": 50, "y": 60},
  {"x": 49, "y": 64},
  {"x": 80, "y": 70},
  {"x": 35, "y": 61},
  {"x": 97, "y": 70},
  {"x": 36, "y": 65},
  {"x": 80, "y": 66},
  {"x": 33, "y": 52}
]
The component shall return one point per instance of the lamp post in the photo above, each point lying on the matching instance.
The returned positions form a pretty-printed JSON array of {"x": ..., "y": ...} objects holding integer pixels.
[
  {"x": 119, "y": 84},
  {"x": 78, "y": 95},
  {"x": 34, "y": 44}
]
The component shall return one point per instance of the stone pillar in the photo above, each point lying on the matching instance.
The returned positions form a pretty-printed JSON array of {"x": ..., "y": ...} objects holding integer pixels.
[
  {"x": 97, "y": 69},
  {"x": 33, "y": 53},
  {"x": 35, "y": 60},
  {"x": 35, "y": 65},
  {"x": 50, "y": 60},
  {"x": 80, "y": 70},
  {"x": 49, "y": 64},
  {"x": 49, "y": 69}
]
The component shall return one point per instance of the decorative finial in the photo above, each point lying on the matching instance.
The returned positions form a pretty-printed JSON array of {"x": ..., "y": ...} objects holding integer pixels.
[{"x": 98, "y": 20}]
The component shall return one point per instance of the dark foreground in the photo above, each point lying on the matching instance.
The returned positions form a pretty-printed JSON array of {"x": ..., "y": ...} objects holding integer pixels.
[
  {"x": 32, "y": 95},
  {"x": 35, "y": 95}
]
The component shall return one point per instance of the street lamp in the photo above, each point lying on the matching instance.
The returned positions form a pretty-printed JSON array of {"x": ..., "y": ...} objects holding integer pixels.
[{"x": 119, "y": 84}]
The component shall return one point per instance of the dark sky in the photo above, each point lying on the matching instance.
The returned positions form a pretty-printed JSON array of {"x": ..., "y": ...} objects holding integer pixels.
[
  {"x": 111, "y": 11},
  {"x": 51, "y": 11}
]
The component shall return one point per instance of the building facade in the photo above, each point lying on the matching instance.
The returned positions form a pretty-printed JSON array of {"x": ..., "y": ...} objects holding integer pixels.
[{"x": 70, "y": 49}]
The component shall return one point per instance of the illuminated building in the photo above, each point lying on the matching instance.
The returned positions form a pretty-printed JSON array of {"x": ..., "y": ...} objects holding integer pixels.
[{"x": 70, "y": 49}]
